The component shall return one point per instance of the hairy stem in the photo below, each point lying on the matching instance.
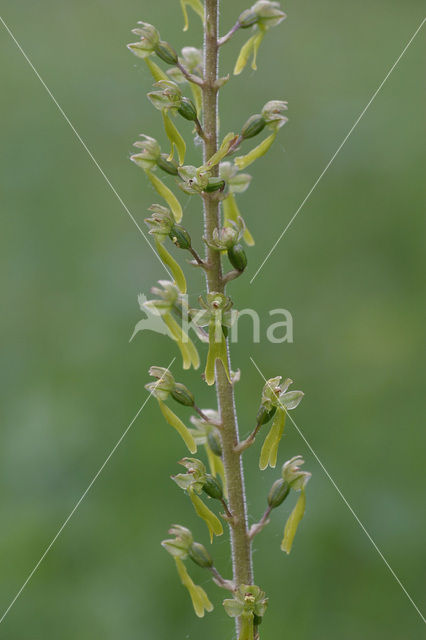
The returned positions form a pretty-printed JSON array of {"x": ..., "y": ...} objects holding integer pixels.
[{"x": 240, "y": 543}]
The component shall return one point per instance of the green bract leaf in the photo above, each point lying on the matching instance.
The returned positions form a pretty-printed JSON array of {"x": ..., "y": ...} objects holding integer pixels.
[
  {"x": 269, "y": 452},
  {"x": 293, "y": 522},
  {"x": 213, "y": 523},
  {"x": 196, "y": 5},
  {"x": 165, "y": 193},
  {"x": 177, "y": 424},
  {"x": 199, "y": 598}
]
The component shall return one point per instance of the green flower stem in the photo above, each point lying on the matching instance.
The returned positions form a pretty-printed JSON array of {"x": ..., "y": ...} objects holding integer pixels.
[
  {"x": 259, "y": 526},
  {"x": 231, "y": 275},
  {"x": 245, "y": 444},
  {"x": 197, "y": 258},
  {"x": 220, "y": 581},
  {"x": 224, "y": 39},
  {"x": 189, "y": 76},
  {"x": 240, "y": 543},
  {"x": 200, "y": 413}
]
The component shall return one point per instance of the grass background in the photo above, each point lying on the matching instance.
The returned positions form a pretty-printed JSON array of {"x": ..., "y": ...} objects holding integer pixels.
[{"x": 349, "y": 270}]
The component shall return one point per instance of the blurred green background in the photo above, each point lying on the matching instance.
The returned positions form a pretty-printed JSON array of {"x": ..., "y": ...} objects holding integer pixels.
[{"x": 350, "y": 270}]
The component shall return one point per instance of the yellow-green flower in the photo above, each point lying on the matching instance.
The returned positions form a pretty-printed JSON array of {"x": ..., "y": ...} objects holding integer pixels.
[
  {"x": 193, "y": 483},
  {"x": 162, "y": 225},
  {"x": 275, "y": 403},
  {"x": 249, "y": 603},
  {"x": 169, "y": 300},
  {"x": 261, "y": 16},
  {"x": 216, "y": 314}
]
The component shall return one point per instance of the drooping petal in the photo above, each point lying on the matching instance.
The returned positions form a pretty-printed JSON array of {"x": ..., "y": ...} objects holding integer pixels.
[
  {"x": 199, "y": 598},
  {"x": 247, "y": 628},
  {"x": 223, "y": 150},
  {"x": 232, "y": 212},
  {"x": 174, "y": 267},
  {"x": 293, "y": 522},
  {"x": 196, "y": 5},
  {"x": 175, "y": 138},
  {"x": 157, "y": 73},
  {"x": 185, "y": 344},
  {"x": 244, "y": 161},
  {"x": 197, "y": 94},
  {"x": 256, "y": 44},
  {"x": 213, "y": 523},
  {"x": 217, "y": 351},
  {"x": 269, "y": 452},
  {"x": 177, "y": 424},
  {"x": 165, "y": 193},
  {"x": 244, "y": 55}
]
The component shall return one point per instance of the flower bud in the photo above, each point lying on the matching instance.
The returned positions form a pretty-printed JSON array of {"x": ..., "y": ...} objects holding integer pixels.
[
  {"x": 263, "y": 12},
  {"x": 149, "y": 152},
  {"x": 214, "y": 442},
  {"x": 264, "y": 415},
  {"x": 293, "y": 475},
  {"x": 213, "y": 488},
  {"x": 169, "y": 96},
  {"x": 278, "y": 493},
  {"x": 254, "y": 125},
  {"x": 165, "y": 380},
  {"x": 182, "y": 395},
  {"x": 160, "y": 222},
  {"x": 180, "y": 545},
  {"x": 273, "y": 112},
  {"x": 214, "y": 184},
  {"x": 237, "y": 257},
  {"x": 199, "y": 554},
  {"x": 169, "y": 166},
  {"x": 148, "y": 33},
  {"x": 180, "y": 237},
  {"x": 187, "y": 109},
  {"x": 149, "y": 40},
  {"x": 166, "y": 52}
]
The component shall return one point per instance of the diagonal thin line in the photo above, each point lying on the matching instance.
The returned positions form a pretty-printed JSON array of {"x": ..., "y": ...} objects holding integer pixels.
[
  {"x": 80, "y": 500},
  {"x": 84, "y": 145},
  {"x": 339, "y": 148},
  {"x": 346, "y": 502}
]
